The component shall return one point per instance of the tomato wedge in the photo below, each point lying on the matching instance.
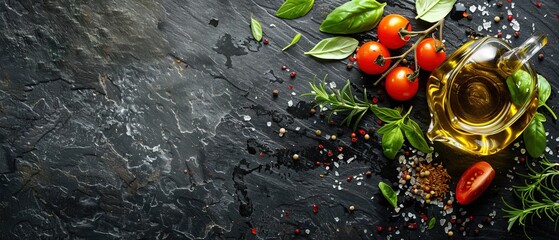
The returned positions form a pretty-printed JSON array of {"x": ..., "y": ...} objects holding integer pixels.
[{"x": 473, "y": 182}]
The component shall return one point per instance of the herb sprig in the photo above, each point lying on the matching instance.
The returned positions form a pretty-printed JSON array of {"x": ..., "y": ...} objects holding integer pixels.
[
  {"x": 397, "y": 125},
  {"x": 539, "y": 195}
]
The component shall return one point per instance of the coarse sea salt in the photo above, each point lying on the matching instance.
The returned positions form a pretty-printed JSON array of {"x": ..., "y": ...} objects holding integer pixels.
[
  {"x": 247, "y": 118},
  {"x": 269, "y": 124},
  {"x": 290, "y": 103},
  {"x": 332, "y": 84},
  {"x": 473, "y": 9}
]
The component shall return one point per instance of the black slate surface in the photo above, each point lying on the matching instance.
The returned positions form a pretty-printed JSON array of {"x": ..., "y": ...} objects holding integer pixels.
[{"x": 145, "y": 120}]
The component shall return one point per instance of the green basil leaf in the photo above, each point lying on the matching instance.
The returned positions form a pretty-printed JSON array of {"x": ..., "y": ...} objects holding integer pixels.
[
  {"x": 292, "y": 9},
  {"x": 432, "y": 223},
  {"x": 256, "y": 29},
  {"x": 520, "y": 87},
  {"x": 534, "y": 136},
  {"x": 386, "y": 114},
  {"x": 392, "y": 141},
  {"x": 387, "y": 128},
  {"x": 544, "y": 90},
  {"x": 353, "y": 17},
  {"x": 334, "y": 48},
  {"x": 388, "y": 193},
  {"x": 293, "y": 42},
  {"x": 415, "y": 137},
  {"x": 433, "y": 10}
]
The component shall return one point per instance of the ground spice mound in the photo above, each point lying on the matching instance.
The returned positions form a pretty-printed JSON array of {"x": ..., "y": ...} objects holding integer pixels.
[{"x": 432, "y": 181}]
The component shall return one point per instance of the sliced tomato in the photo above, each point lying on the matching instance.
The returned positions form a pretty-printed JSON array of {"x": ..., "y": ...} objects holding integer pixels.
[{"x": 473, "y": 182}]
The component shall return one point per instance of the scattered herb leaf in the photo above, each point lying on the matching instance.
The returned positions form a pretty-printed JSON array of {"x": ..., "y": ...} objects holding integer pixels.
[
  {"x": 433, "y": 10},
  {"x": 292, "y": 9},
  {"x": 392, "y": 141},
  {"x": 414, "y": 134},
  {"x": 520, "y": 87},
  {"x": 334, "y": 48},
  {"x": 353, "y": 17},
  {"x": 544, "y": 91},
  {"x": 387, "y": 114},
  {"x": 432, "y": 223},
  {"x": 256, "y": 29},
  {"x": 534, "y": 136},
  {"x": 388, "y": 193},
  {"x": 293, "y": 41}
]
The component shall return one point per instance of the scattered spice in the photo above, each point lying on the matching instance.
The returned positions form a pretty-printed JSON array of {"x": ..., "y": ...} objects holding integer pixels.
[
  {"x": 312, "y": 111},
  {"x": 292, "y": 74},
  {"x": 349, "y": 178},
  {"x": 283, "y": 67},
  {"x": 315, "y": 208},
  {"x": 516, "y": 34},
  {"x": 369, "y": 174},
  {"x": 253, "y": 231},
  {"x": 295, "y": 156},
  {"x": 265, "y": 41},
  {"x": 538, "y": 4},
  {"x": 509, "y": 17},
  {"x": 318, "y": 132},
  {"x": 499, "y": 4},
  {"x": 379, "y": 229},
  {"x": 497, "y": 19},
  {"x": 434, "y": 180},
  {"x": 333, "y": 137},
  {"x": 349, "y": 66},
  {"x": 366, "y": 137},
  {"x": 540, "y": 56},
  {"x": 450, "y": 233},
  {"x": 351, "y": 208},
  {"x": 297, "y": 231},
  {"x": 282, "y": 131},
  {"x": 275, "y": 92},
  {"x": 351, "y": 59}
]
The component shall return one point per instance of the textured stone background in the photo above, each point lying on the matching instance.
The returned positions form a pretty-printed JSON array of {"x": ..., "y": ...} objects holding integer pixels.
[{"x": 104, "y": 135}]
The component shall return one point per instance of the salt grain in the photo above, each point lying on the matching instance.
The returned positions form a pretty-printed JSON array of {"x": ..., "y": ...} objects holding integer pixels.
[
  {"x": 247, "y": 118},
  {"x": 339, "y": 188},
  {"x": 332, "y": 84},
  {"x": 442, "y": 221},
  {"x": 486, "y": 25},
  {"x": 269, "y": 124},
  {"x": 479, "y": 28},
  {"x": 290, "y": 103},
  {"x": 337, "y": 165},
  {"x": 473, "y": 8},
  {"x": 307, "y": 231},
  {"x": 336, "y": 173},
  {"x": 515, "y": 25},
  {"x": 337, "y": 219}
]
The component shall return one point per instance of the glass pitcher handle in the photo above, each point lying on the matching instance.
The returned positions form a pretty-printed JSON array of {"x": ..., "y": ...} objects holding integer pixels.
[{"x": 514, "y": 59}]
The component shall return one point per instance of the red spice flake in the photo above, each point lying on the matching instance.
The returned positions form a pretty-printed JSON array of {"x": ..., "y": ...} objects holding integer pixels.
[
  {"x": 253, "y": 231},
  {"x": 349, "y": 179},
  {"x": 290, "y": 87},
  {"x": 509, "y": 0},
  {"x": 509, "y": 17},
  {"x": 471, "y": 217},
  {"x": 538, "y": 4},
  {"x": 326, "y": 164},
  {"x": 353, "y": 140},
  {"x": 352, "y": 135},
  {"x": 465, "y": 14},
  {"x": 284, "y": 67},
  {"x": 330, "y": 153},
  {"x": 351, "y": 59},
  {"x": 297, "y": 231},
  {"x": 315, "y": 208},
  {"x": 379, "y": 122},
  {"x": 516, "y": 34},
  {"x": 389, "y": 228},
  {"x": 412, "y": 225},
  {"x": 500, "y": 34},
  {"x": 424, "y": 217},
  {"x": 452, "y": 220},
  {"x": 362, "y": 132},
  {"x": 262, "y": 154},
  {"x": 379, "y": 228},
  {"x": 407, "y": 153},
  {"x": 320, "y": 146},
  {"x": 375, "y": 100},
  {"x": 265, "y": 41},
  {"x": 340, "y": 149}
]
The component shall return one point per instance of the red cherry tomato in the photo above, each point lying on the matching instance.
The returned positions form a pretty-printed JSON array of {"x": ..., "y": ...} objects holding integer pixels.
[
  {"x": 473, "y": 182},
  {"x": 389, "y": 31},
  {"x": 367, "y": 56},
  {"x": 398, "y": 86},
  {"x": 427, "y": 56}
]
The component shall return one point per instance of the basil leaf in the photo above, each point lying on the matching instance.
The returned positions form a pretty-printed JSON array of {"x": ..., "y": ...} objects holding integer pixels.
[
  {"x": 292, "y": 9},
  {"x": 392, "y": 141},
  {"x": 520, "y": 87},
  {"x": 386, "y": 114},
  {"x": 534, "y": 136},
  {"x": 433, "y": 10},
  {"x": 544, "y": 90},
  {"x": 388, "y": 193},
  {"x": 415, "y": 137},
  {"x": 353, "y": 17},
  {"x": 293, "y": 42},
  {"x": 387, "y": 128},
  {"x": 432, "y": 223},
  {"x": 334, "y": 48},
  {"x": 256, "y": 29}
]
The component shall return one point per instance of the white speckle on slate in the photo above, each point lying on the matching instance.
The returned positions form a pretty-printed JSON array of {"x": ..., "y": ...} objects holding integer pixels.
[
  {"x": 508, "y": 36},
  {"x": 297, "y": 128},
  {"x": 332, "y": 84},
  {"x": 479, "y": 28},
  {"x": 247, "y": 118},
  {"x": 293, "y": 93},
  {"x": 337, "y": 219},
  {"x": 473, "y": 8},
  {"x": 272, "y": 25},
  {"x": 515, "y": 25},
  {"x": 486, "y": 25},
  {"x": 290, "y": 103},
  {"x": 269, "y": 124}
]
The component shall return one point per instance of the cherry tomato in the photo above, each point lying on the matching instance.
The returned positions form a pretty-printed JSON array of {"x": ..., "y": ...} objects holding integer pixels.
[
  {"x": 367, "y": 56},
  {"x": 389, "y": 31},
  {"x": 473, "y": 182},
  {"x": 398, "y": 86},
  {"x": 427, "y": 56}
]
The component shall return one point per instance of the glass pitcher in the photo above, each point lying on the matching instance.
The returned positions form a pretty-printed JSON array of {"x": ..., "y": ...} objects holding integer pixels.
[{"x": 470, "y": 101}]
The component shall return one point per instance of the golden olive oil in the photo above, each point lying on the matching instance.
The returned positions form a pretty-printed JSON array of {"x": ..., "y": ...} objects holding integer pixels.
[{"x": 470, "y": 103}]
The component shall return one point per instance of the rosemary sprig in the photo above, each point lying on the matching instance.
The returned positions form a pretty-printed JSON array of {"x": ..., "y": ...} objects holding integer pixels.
[
  {"x": 539, "y": 195},
  {"x": 396, "y": 128}
]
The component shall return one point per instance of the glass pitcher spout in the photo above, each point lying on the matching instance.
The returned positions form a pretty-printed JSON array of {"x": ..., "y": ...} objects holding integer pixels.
[{"x": 515, "y": 58}]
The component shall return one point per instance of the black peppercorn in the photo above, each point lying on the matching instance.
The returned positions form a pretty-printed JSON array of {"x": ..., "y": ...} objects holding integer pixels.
[
  {"x": 499, "y": 4},
  {"x": 349, "y": 66},
  {"x": 540, "y": 56},
  {"x": 275, "y": 92}
]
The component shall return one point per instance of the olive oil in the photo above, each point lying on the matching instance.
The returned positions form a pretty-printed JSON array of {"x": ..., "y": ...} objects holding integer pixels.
[{"x": 469, "y": 100}]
